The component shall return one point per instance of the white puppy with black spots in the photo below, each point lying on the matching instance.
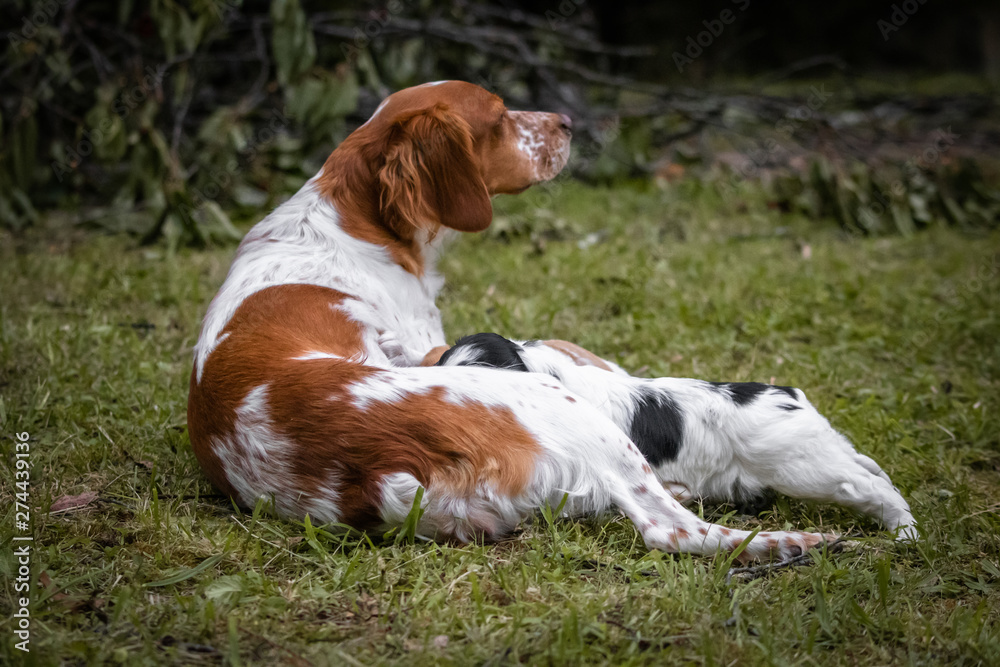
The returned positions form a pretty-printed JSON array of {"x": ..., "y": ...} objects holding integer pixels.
[{"x": 729, "y": 441}]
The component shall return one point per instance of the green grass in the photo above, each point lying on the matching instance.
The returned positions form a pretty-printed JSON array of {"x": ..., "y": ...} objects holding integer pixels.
[{"x": 894, "y": 339}]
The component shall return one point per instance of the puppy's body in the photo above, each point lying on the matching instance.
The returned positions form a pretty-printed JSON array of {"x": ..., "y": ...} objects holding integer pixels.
[
  {"x": 733, "y": 441},
  {"x": 307, "y": 389}
]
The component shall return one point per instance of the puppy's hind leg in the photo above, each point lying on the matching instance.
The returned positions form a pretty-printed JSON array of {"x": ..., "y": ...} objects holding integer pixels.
[
  {"x": 721, "y": 440},
  {"x": 596, "y": 464},
  {"x": 799, "y": 454}
]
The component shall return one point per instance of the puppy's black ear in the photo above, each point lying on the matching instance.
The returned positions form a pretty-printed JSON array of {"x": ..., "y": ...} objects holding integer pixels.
[{"x": 431, "y": 176}]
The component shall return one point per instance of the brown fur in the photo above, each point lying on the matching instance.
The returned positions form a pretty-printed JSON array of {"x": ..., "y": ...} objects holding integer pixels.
[
  {"x": 422, "y": 164},
  {"x": 270, "y": 327},
  {"x": 580, "y": 356},
  {"x": 430, "y": 177},
  {"x": 443, "y": 445}
]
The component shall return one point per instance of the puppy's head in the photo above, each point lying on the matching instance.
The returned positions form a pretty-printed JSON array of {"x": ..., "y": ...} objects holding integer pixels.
[{"x": 450, "y": 146}]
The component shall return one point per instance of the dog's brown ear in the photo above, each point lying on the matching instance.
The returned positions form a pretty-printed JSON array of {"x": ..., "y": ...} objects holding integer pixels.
[{"x": 430, "y": 176}]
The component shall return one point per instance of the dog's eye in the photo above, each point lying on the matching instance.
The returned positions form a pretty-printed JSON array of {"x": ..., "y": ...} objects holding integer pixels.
[{"x": 498, "y": 127}]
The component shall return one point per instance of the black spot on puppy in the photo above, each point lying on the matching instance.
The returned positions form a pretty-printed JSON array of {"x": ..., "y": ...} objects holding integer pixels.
[
  {"x": 486, "y": 349},
  {"x": 788, "y": 390},
  {"x": 752, "y": 502},
  {"x": 657, "y": 426},
  {"x": 744, "y": 393}
]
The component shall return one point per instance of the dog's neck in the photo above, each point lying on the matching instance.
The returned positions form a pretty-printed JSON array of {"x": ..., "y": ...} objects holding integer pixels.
[{"x": 350, "y": 182}]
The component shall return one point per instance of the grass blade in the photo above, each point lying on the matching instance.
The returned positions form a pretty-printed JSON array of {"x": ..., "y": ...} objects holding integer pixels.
[{"x": 188, "y": 573}]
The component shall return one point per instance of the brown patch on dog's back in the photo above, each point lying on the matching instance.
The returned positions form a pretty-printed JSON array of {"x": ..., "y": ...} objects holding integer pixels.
[{"x": 445, "y": 445}]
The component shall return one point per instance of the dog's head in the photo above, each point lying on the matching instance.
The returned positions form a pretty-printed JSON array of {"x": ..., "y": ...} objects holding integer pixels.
[{"x": 439, "y": 151}]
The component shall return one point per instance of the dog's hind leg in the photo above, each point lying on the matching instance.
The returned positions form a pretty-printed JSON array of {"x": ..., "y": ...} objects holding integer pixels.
[{"x": 660, "y": 518}]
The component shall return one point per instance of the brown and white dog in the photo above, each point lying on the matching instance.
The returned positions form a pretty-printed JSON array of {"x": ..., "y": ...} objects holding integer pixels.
[{"x": 313, "y": 387}]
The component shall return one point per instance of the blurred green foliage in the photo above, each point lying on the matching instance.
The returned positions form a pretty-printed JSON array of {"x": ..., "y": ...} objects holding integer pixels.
[
  {"x": 146, "y": 118},
  {"x": 892, "y": 199}
]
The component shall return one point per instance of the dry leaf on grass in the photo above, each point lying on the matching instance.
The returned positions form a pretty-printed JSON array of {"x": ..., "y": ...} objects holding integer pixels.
[{"x": 67, "y": 503}]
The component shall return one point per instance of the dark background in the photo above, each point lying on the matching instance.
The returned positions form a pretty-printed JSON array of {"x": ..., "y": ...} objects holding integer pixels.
[
  {"x": 172, "y": 119},
  {"x": 938, "y": 36}
]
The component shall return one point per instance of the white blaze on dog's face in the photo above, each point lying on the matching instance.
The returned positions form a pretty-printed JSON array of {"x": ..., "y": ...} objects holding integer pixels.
[{"x": 546, "y": 149}]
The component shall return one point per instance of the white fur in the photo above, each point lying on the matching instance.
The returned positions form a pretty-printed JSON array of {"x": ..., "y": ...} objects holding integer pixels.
[
  {"x": 315, "y": 354},
  {"x": 254, "y": 458},
  {"x": 464, "y": 356},
  {"x": 546, "y": 159},
  {"x": 377, "y": 111}
]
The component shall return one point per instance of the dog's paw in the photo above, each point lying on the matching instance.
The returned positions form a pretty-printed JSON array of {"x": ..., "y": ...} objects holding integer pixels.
[
  {"x": 907, "y": 533},
  {"x": 782, "y": 546}
]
